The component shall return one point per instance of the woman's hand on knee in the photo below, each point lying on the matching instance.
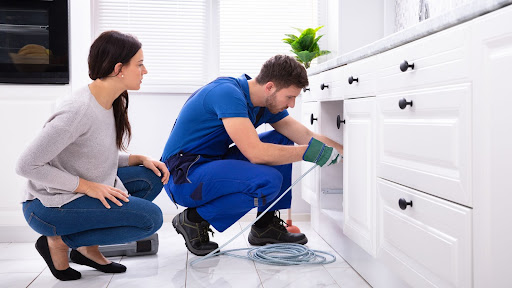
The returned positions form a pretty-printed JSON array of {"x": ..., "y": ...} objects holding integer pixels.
[
  {"x": 102, "y": 192},
  {"x": 158, "y": 167}
]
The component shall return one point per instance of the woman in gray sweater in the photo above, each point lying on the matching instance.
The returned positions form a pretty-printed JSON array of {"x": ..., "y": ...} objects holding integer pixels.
[{"x": 81, "y": 191}]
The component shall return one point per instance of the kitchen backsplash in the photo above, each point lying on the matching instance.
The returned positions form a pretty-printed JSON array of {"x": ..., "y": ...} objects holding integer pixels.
[{"x": 408, "y": 11}]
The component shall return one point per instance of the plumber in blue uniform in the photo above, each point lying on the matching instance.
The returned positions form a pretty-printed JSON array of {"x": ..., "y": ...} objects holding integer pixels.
[{"x": 221, "y": 168}]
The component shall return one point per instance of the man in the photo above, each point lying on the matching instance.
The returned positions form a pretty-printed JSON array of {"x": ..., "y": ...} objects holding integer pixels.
[{"x": 220, "y": 182}]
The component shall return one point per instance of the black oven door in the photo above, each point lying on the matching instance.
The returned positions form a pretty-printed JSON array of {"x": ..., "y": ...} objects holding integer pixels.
[{"x": 34, "y": 41}]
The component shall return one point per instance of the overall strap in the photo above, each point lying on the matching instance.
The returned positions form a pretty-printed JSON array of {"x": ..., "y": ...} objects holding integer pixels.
[{"x": 260, "y": 114}]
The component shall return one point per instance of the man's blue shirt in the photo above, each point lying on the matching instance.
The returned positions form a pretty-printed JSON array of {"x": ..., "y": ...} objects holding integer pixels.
[{"x": 199, "y": 128}]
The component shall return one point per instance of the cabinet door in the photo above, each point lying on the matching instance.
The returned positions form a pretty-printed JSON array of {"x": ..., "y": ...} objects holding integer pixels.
[
  {"x": 23, "y": 111},
  {"x": 359, "y": 172},
  {"x": 492, "y": 149},
  {"x": 310, "y": 184}
]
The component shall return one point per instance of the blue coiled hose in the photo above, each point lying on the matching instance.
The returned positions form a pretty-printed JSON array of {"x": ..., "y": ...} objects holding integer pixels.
[{"x": 275, "y": 254}]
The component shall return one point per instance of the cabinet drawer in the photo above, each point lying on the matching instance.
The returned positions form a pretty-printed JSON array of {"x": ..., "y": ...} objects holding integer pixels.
[
  {"x": 441, "y": 58},
  {"x": 360, "y": 78},
  {"x": 429, "y": 243},
  {"x": 327, "y": 85},
  {"x": 427, "y": 146}
]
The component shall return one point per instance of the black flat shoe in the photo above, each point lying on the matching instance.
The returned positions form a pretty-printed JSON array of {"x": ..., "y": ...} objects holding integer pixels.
[
  {"x": 44, "y": 251},
  {"x": 113, "y": 267}
]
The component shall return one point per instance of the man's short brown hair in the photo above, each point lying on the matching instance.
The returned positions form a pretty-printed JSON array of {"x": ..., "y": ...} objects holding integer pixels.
[{"x": 284, "y": 71}]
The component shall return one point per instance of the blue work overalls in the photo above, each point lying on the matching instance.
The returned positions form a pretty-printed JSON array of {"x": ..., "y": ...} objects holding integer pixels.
[{"x": 224, "y": 188}]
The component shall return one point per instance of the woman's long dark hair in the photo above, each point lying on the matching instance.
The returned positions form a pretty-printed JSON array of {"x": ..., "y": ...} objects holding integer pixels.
[{"x": 110, "y": 48}]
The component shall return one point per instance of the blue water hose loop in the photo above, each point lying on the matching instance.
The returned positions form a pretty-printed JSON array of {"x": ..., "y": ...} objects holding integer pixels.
[{"x": 282, "y": 254}]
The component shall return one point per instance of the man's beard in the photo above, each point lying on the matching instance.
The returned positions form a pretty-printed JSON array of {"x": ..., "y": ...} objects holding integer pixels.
[{"x": 270, "y": 103}]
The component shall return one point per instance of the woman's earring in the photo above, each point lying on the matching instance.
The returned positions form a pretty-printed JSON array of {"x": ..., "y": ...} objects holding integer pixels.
[{"x": 122, "y": 75}]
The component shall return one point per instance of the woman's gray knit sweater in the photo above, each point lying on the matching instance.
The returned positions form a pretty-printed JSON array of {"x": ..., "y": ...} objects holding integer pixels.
[{"x": 79, "y": 140}]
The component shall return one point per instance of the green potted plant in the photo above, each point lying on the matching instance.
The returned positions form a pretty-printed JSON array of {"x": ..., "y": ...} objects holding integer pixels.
[{"x": 306, "y": 46}]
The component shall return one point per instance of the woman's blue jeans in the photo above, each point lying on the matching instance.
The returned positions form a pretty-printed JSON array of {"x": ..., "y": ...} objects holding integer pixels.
[{"x": 86, "y": 222}]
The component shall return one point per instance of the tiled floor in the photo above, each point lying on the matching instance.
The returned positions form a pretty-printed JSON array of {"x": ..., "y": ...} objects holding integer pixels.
[{"x": 21, "y": 266}]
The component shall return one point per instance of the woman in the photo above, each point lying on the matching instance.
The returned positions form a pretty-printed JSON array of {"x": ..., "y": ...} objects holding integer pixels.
[{"x": 81, "y": 192}]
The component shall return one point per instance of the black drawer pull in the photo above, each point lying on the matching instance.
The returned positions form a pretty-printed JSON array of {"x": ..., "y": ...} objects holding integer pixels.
[
  {"x": 306, "y": 89},
  {"x": 403, "y": 203},
  {"x": 313, "y": 118},
  {"x": 405, "y": 65},
  {"x": 402, "y": 103},
  {"x": 339, "y": 121},
  {"x": 352, "y": 79},
  {"x": 323, "y": 86}
]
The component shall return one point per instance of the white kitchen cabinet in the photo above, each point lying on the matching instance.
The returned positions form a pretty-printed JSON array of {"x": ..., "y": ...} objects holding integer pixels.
[
  {"x": 322, "y": 187},
  {"x": 360, "y": 78},
  {"x": 426, "y": 145},
  {"x": 424, "y": 151},
  {"x": 439, "y": 59},
  {"x": 438, "y": 214},
  {"x": 310, "y": 184},
  {"x": 359, "y": 172},
  {"x": 326, "y": 86},
  {"x": 23, "y": 112},
  {"x": 425, "y": 239},
  {"x": 492, "y": 153},
  {"x": 330, "y": 197}
]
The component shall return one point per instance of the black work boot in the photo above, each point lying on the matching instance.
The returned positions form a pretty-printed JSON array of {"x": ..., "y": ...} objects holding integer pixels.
[
  {"x": 274, "y": 232},
  {"x": 195, "y": 234}
]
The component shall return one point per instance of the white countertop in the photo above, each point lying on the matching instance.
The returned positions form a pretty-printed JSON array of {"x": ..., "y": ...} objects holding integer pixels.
[{"x": 457, "y": 16}]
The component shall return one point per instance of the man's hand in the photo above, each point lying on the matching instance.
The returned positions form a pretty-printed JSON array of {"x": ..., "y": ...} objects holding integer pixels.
[{"x": 321, "y": 154}]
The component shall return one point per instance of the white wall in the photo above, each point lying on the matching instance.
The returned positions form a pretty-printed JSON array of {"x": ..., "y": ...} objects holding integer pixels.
[
  {"x": 360, "y": 23},
  {"x": 152, "y": 118}
]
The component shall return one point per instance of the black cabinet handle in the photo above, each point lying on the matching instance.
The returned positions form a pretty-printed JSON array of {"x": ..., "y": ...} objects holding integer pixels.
[
  {"x": 405, "y": 65},
  {"x": 306, "y": 89},
  {"x": 352, "y": 79},
  {"x": 339, "y": 121},
  {"x": 403, "y": 203},
  {"x": 402, "y": 103},
  {"x": 313, "y": 118},
  {"x": 323, "y": 86}
]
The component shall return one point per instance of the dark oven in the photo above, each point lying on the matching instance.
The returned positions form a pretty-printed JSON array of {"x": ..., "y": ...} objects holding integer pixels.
[{"x": 34, "y": 41}]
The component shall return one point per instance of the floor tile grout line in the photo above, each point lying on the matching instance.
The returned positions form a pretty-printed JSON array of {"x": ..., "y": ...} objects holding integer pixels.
[
  {"x": 122, "y": 257},
  {"x": 36, "y": 277},
  {"x": 186, "y": 269}
]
